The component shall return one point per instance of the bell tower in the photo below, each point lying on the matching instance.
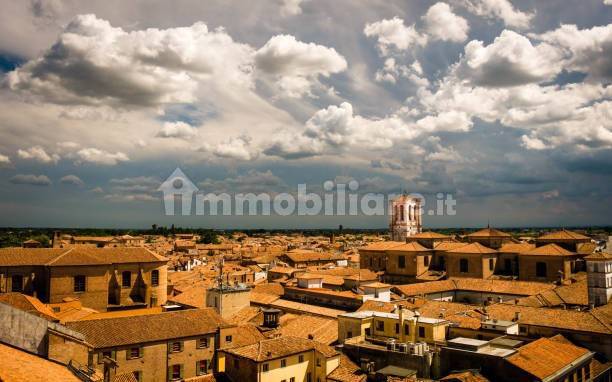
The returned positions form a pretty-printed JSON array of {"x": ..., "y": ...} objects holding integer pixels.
[{"x": 405, "y": 217}]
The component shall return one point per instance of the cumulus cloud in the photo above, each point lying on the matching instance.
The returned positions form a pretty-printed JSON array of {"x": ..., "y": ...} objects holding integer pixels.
[
  {"x": 4, "y": 161},
  {"x": 584, "y": 50},
  {"x": 72, "y": 180},
  {"x": 291, "y": 7},
  {"x": 94, "y": 63},
  {"x": 38, "y": 154},
  {"x": 509, "y": 60},
  {"x": 442, "y": 24},
  {"x": 236, "y": 148},
  {"x": 29, "y": 179},
  {"x": 99, "y": 157},
  {"x": 394, "y": 34},
  {"x": 392, "y": 71},
  {"x": 500, "y": 9},
  {"x": 296, "y": 65},
  {"x": 177, "y": 130}
]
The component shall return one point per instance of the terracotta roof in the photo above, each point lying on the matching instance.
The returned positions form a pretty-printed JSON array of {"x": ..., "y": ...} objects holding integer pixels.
[
  {"x": 263, "y": 298},
  {"x": 19, "y": 366},
  {"x": 472, "y": 248},
  {"x": 76, "y": 256},
  {"x": 269, "y": 288},
  {"x": 429, "y": 235},
  {"x": 274, "y": 348},
  {"x": 586, "y": 248},
  {"x": 548, "y": 250},
  {"x": 125, "y": 377},
  {"x": 381, "y": 246},
  {"x": 194, "y": 296},
  {"x": 599, "y": 256},
  {"x": 294, "y": 306},
  {"x": 546, "y": 356},
  {"x": 322, "y": 329},
  {"x": 489, "y": 232},
  {"x": 526, "y": 288},
  {"x": 104, "y": 333},
  {"x": 563, "y": 235},
  {"x": 284, "y": 270},
  {"x": 553, "y": 318},
  {"x": 28, "y": 304},
  {"x": 412, "y": 246},
  {"x": 309, "y": 276},
  {"x": 247, "y": 334},
  {"x": 376, "y": 285},
  {"x": 448, "y": 245},
  {"x": 246, "y": 314},
  {"x": 347, "y": 371},
  {"x": 465, "y": 376},
  {"x": 302, "y": 256},
  {"x": 516, "y": 247}
]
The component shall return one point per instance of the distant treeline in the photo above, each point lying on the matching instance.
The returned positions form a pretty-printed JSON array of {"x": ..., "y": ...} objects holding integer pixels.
[{"x": 14, "y": 237}]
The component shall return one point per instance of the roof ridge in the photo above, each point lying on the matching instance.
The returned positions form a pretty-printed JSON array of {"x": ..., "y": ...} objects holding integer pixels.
[{"x": 59, "y": 257}]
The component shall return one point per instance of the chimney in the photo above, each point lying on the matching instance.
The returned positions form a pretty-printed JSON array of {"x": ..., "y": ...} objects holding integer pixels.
[
  {"x": 55, "y": 243},
  {"x": 517, "y": 316},
  {"x": 310, "y": 337}
]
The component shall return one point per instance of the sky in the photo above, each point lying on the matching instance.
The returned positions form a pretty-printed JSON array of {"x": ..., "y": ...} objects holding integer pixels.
[{"x": 504, "y": 105}]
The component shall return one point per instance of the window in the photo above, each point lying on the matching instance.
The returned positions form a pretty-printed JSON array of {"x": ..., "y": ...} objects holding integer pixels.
[
  {"x": 17, "y": 283},
  {"x": 318, "y": 362},
  {"x": 380, "y": 326},
  {"x": 540, "y": 269},
  {"x": 135, "y": 352},
  {"x": 401, "y": 261},
  {"x": 176, "y": 372},
  {"x": 463, "y": 265},
  {"x": 108, "y": 354},
  {"x": 203, "y": 342},
  {"x": 349, "y": 334},
  {"x": 236, "y": 363},
  {"x": 407, "y": 329},
  {"x": 308, "y": 377},
  {"x": 292, "y": 379},
  {"x": 421, "y": 331},
  {"x": 426, "y": 261},
  {"x": 397, "y": 328},
  {"x": 283, "y": 362},
  {"x": 138, "y": 375},
  {"x": 300, "y": 358},
  {"x": 176, "y": 347},
  {"x": 155, "y": 278},
  {"x": 491, "y": 264},
  {"x": 202, "y": 367},
  {"x": 79, "y": 283},
  {"x": 126, "y": 279},
  {"x": 265, "y": 367},
  {"x": 228, "y": 338}
]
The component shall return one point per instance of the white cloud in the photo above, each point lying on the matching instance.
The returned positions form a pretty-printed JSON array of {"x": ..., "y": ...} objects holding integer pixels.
[
  {"x": 100, "y": 157},
  {"x": 295, "y": 65},
  {"x": 177, "y": 130},
  {"x": 442, "y": 24},
  {"x": 391, "y": 72},
  {"x": 584, "y": 50},
  {"x": 33, "y": 180},
  {"x": 124, "y": 198},
  {"x": 393, "y": 34},
  {"x": 236, "y": 148},
  {"x": 607, "y": 2},
  {"x": 38, "y": 154},
  {"x": 451, "y": 120},
  {"x": 532, "y": 143},
  {"x": 93, "y": 63},
  {"x": 335, "y": 129},
  {"x": 500, "y": 9},
  {"x": 72, "y": 180},
  {"x": 509, "y": 60},
  {"x": 291, "y": 7},
  {"x": 4, "y": 160}
]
